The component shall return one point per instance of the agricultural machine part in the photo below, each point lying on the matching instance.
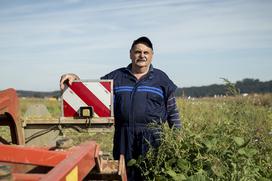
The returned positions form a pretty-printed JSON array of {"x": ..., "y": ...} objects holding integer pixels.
[
  {"x": 81, "y": 162},
  {"x": 9, "y": 116},
  {"x": 64, "y": 143},
  {"x": 95, "y": 94},
  {"x": 84, "y": 105},
  {"x": 86, "y": 112},
  {"x": 18, "y": 162}
]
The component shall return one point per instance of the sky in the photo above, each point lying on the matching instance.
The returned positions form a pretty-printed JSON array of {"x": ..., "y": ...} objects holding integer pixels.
[{"x": 196, "y": 42}]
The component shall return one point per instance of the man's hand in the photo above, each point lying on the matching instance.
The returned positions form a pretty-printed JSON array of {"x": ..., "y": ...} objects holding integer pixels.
[{"x": 68, "y": 79}]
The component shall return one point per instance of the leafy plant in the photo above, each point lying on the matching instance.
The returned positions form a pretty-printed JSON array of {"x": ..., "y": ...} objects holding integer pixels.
[{"x": 222, "y": 139}]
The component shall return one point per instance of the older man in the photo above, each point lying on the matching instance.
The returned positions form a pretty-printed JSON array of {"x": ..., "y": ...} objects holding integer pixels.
[{"x": 143, "y": 95}]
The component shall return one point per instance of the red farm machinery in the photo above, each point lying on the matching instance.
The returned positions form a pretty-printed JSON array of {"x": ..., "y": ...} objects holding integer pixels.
[{"x": 36, "y": 150}]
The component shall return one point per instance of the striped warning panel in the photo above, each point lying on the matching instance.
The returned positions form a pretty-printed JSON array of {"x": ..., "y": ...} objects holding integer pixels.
[{"x": 97, "y": 94}]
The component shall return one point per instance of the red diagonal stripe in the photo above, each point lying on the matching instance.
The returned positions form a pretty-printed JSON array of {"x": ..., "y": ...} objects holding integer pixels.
[
  {"x": 107, "y": 85},
  {"x": 90, "y": 99},
  {"x": 68, "y": 111}
]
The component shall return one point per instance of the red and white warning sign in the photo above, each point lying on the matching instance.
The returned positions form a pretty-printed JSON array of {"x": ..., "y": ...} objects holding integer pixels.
[{"x": 98, "y": 94}]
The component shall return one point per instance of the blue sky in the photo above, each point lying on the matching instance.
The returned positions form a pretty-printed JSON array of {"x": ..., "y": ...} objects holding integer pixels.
[{"x": 196, "y": 42}]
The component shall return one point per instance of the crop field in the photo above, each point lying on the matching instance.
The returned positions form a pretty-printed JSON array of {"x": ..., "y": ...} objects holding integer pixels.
[{"x": 225, "y": 138}]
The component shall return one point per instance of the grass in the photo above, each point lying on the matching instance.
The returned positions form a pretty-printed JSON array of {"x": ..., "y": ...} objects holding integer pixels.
[
  {"x": 222, "y": 139},
  {"x": 53, "y": 105}
]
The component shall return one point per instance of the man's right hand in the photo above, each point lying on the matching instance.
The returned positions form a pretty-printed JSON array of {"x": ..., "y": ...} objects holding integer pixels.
[{"x": 67, "y": 78}]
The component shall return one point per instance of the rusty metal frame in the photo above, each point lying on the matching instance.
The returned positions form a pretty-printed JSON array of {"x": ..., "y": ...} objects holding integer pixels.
[
  {"x": 73, "y": 164},
  {"x": 9, "y": 115},
  {"x": 62, "y": 162},
  {"x": 81, "y": 160}
]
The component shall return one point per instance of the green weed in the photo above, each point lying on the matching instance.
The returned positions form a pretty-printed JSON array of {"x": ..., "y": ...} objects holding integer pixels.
[{"x": 221, "y": 139}]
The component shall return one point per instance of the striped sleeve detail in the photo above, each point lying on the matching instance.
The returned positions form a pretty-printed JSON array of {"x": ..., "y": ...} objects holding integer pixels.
[{"x": 172, "y": 111}]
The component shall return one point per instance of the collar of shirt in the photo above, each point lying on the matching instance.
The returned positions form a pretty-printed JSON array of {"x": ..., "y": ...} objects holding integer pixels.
[{"x": 150, "y": 71}]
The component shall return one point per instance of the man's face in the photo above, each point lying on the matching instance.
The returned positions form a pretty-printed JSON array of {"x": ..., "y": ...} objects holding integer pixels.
[{"x": 141, "y": 55}]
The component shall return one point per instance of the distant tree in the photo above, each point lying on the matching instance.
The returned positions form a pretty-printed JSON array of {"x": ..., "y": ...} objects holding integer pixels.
[{"x": 246, "y": 85}]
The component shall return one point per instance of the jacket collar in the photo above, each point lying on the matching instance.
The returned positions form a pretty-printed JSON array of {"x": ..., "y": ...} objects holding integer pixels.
[
  {"x": 149, "y": 74},
  {"x": 129, "y": 67}
]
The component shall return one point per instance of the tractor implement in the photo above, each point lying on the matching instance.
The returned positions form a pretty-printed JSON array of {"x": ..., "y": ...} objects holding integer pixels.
[{"x": 29, "y": 153}]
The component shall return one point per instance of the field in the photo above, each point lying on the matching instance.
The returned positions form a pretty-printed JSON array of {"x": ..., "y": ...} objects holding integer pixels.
[
  {"x": 222, "y": 139},
  {"x": 225, "y": 138}
]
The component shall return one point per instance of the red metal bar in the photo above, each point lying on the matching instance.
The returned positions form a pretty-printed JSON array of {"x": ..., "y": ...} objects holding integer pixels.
[
  {"x": 30, "y": 155},
  {"x": 28, "y": 177},
  {"x": 77, "y": 165},
  {"x": 9, "y": 108},
  {"x": 73, "y": 164}
]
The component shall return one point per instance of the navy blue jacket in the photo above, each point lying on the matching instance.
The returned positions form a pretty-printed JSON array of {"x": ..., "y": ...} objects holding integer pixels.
[{"x": 138, "y": 103}]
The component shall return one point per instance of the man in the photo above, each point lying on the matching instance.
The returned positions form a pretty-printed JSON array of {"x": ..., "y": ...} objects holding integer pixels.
[{"x": 143, "y": 95}]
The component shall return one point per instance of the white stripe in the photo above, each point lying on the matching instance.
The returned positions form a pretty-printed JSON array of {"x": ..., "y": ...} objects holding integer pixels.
[
  {"x": 95, "y": 115},
  {"x": 171, "y": 99},
  {"x": 175, "y": 119},
  {"x": 72, "y": 99},
  {"x": 171, "y": 105},
  {"x": 100, "y": 92}
]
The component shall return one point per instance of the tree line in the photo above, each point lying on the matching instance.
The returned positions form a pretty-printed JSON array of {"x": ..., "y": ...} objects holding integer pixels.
[
  {"x": 37, "y": 94},
  {"x": 246, "y": 85}
]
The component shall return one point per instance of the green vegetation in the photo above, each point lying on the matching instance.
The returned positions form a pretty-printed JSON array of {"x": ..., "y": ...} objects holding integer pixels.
[
  {"x": 104, "y": 139},
  {"x": 226, "y": 138},
  {"x": 221, "y": 139},
  {"x": 52, "y": 104},
  {"x": 5, "y": 134}
]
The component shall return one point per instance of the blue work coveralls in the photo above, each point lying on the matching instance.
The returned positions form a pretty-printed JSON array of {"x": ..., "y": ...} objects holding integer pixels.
[{"x": 137, "y": 103}]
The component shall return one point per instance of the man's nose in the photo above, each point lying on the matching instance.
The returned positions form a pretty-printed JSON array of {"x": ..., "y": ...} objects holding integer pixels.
[{"x": 142, "y": 54}]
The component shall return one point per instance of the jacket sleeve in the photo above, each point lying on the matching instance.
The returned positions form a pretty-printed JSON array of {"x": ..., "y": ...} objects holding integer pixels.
[
  {"x": 172, "y": 112},
  {"x": 173, "y": 117}
]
